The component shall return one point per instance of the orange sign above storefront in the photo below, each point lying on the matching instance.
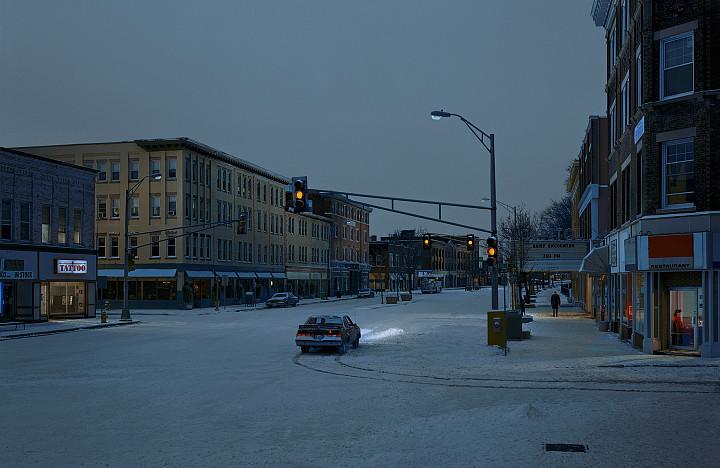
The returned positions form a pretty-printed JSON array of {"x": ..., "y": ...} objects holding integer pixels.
[{"x": 675, "y": 245}]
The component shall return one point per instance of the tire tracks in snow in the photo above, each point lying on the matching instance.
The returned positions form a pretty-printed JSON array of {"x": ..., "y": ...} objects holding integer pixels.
[{"x": 341, "y": 369}]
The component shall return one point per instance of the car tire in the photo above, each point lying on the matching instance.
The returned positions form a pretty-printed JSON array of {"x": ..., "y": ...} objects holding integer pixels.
[
  {"x": 304, "y": 349},
  {"x": 356, "y": 343},
  {"x": 342, "y": 348}
]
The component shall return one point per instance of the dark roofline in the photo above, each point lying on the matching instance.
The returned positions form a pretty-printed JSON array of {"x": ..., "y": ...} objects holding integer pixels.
[
  {"x": 157, "y": 144},
  {"x": 185, "y": 142},
  {"x": 49, "y": 160}
]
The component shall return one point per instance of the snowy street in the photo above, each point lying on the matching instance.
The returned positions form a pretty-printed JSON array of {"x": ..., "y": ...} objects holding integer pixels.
[{"x": 230, "y": 388}]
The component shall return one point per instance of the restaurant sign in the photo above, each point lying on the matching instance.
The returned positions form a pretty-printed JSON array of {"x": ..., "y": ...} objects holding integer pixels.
[{"x": 73, "y": 267}]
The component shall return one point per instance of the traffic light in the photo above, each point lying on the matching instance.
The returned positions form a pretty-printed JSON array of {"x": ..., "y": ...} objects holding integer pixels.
[
  {"x": 470, "y": 242},
  {"x": 491, "y": 250},
  {"x": 299, "y": 185},
  {"x": 242, "y": 225},
  {"x": 427, "y": 242},
  {"x": 131, "y": 260}
]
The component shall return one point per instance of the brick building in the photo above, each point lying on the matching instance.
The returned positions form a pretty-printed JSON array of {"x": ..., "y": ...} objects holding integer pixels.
[
  {"x": 663, "y": 248},
  {"x": 587, "y": 184},
  {"x": 47, "y": 253},
  {"x": 393, "y": 265}
]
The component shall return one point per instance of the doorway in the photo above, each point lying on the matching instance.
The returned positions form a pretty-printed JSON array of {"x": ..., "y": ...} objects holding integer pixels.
[{"x": 686, "y": 318}]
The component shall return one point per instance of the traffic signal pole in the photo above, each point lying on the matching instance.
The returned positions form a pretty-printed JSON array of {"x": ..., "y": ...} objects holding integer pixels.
[{"x": 493, "y": 221}]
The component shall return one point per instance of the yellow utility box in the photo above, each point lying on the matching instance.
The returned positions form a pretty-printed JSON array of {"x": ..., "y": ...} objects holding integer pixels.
[{"x": 497, "y": 328}]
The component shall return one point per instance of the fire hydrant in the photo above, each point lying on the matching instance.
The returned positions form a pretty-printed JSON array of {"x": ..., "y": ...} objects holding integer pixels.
[{"x": 104, "y": 313}]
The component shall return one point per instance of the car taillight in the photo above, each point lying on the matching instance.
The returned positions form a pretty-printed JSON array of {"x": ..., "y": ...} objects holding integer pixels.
[
  {"x": 333, "y": 333},
  {"x": 302, "y": 333}
]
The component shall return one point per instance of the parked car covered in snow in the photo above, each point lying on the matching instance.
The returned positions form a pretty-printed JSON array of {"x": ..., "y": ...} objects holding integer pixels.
[
  {"x": 284, "y": 299},
  {"x": 327, "y": 331}
]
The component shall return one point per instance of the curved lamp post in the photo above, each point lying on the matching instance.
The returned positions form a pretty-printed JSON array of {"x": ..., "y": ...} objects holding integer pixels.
[
  {"x": 125, "y": 314},
  {"x": 488, "y": 141}
]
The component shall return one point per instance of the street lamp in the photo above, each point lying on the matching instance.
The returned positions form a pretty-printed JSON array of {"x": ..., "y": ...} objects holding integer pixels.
[
  {"x": 488, "y": 141},
  {"x": 125, "y": 314}
]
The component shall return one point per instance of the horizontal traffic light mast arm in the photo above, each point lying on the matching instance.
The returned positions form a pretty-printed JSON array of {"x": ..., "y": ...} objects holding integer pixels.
[
  {"x": 437, "y": 220},
  {"x": 409, "y": 200},
  {"x": 207, "y": 227},
  {"x": 243, "y": 216}
]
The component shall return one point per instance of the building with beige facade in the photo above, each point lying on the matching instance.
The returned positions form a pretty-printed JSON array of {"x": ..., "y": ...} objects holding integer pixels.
[
  {"x": 182, "y": 232},
  {"x": 307, "y": 261}
]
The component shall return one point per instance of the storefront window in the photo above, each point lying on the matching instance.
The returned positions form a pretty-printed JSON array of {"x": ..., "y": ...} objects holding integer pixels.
[
  {"x": 63, "y": 299},
  {"x": 639, "y": 309}
]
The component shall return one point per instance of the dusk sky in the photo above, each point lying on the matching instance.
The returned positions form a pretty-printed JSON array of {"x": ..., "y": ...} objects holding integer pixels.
[{"x": 339, "y": 91}]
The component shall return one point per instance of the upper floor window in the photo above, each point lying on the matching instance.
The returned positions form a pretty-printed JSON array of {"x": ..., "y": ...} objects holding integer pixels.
[
  {"x": 194, "y": 170},
  {"x": 676, "y": 66},
  {"x": 102, "y": 171},
  {"x": 45, "y": 224},
  {"x": 134, "y": 207},
  {"x": 613, "y": 125},
  {"x": 134, "y": 169},
  {"x": 6, "y": 223},
  {"x": 678, "y": 173},
  {"x": 202, "y": 173},
  {"x": 638, "y": 77},
  {"x": 625, "y": 91},
  {"x": 25, "y": 221},
  {"x": 155, "y": 206},
  {"x": 154, "y": 166},
  {"x": 77, "y": 227},
  {"x": 187, "y": 168},
  {"x": 612, "y": 46},
  {"x": 115, "y": 171},
  {"x": 625, "y": 12},
  {"x": 171, "y": 167},
  {"x": 62, "y": 225}
]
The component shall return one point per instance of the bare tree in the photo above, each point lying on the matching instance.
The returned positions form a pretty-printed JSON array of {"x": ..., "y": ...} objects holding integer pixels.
[
  {"x": 555, "y": 221},
  {"x": 516, "y": 233}
]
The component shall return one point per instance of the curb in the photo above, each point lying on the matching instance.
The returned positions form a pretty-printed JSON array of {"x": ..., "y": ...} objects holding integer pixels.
[{"x": 66, "y": 330}]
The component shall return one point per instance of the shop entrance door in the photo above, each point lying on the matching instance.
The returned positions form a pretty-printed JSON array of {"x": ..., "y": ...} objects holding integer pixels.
[{"x": 685, "y": 318}]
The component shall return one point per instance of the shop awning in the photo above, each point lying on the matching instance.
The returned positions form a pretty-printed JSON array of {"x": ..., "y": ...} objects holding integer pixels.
[
  {"x": 139, "y": 273},
  {"x": 153, "y": 273},
  {"x": 245, "y": 274},
  {"x": 298, "y": 275},
  {"x": 279, "y": 275},
  {"x": 199, "y": 274},
  {"x": 264, "y": 275},
  {"x": 111, "y": 272},
  {"x": 226, "y": 274},
  {"x": 596, "y": 262}
]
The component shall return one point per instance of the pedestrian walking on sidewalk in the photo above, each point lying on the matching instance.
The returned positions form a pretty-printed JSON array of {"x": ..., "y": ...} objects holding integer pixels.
[{"x": 555, "y": 303}]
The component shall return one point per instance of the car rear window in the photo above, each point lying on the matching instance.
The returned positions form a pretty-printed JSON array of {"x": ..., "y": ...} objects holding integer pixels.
[{"x": 324, "y": 320}]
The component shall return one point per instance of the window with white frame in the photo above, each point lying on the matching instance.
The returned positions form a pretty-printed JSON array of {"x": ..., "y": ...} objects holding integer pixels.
[
  {"x": 612, "y": 46},
  {"x": 155, "y": 206},
  {"x": 678, "y": 173},
  {"x": 613, "y": 125},
  {"x": 172, "y": 205},
  {"x": 638, "y": 77},
  {"x": 171, "y": 167},
  {"x": 625, "y": 13},
  {"x": 155, "y": 247},
  {"x": 676, "y": 66},
  {"x": 170, "y": 244},
  {"x": 625, "y": 90}
]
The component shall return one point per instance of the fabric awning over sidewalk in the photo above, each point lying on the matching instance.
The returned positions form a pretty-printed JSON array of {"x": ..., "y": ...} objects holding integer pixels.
[
  {"x": 263, "y": 275},
  {"x": 199, "y": 274},
  {"x": 246, "y": 274},
  {"x": 596, "y": 262},
  {"x": 139, "y": 273}
]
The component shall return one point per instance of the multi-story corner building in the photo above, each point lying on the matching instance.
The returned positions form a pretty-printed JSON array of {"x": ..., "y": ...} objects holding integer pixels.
[
  {"x": 307, "y": 258},
  {"x": 393, "y": 265},
  {"x": 349, "y": 241},
  {"x": 186, "y": 246},
  {"x": 447, "y": 259},
  {"x": 663, "y": 91},
  {"x": 47, "y": 253},
  {"x": 588, "y": 186}
]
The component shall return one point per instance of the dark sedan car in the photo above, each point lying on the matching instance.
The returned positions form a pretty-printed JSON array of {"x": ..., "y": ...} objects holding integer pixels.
[
  {"x": 328, "y": 331},
  {"x": 285, "y": 299}
]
